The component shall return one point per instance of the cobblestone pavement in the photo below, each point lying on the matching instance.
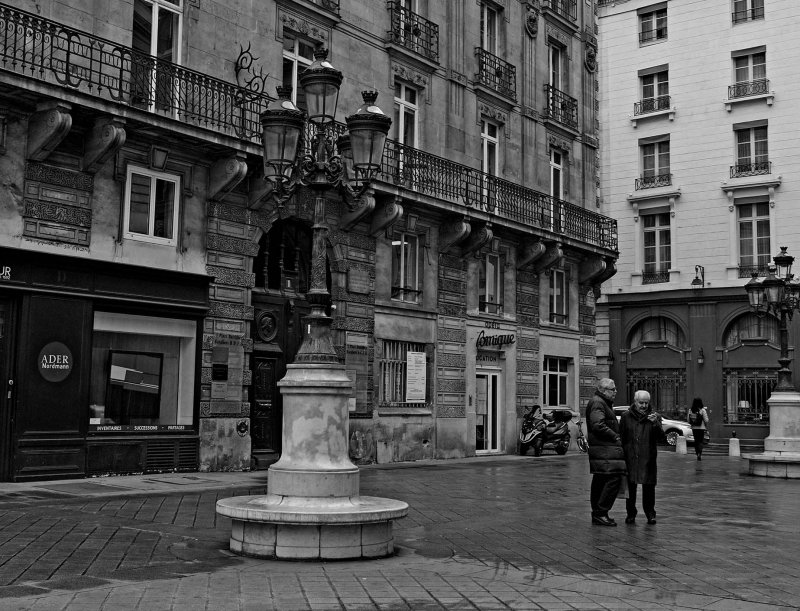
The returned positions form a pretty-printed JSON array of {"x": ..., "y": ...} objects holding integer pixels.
[{"x": 488, "y": 533}]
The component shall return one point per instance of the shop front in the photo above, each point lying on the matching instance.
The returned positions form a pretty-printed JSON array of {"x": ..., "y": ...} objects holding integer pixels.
[{"x": 100, "y": 367}]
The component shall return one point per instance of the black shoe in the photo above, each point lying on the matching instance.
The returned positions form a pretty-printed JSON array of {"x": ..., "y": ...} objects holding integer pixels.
[
  {"x": 630, "y": 520},
  {"x": 699, "y": 457},
  {"x": 603, "y": 521},
  {"x": 651, "y": 519}
]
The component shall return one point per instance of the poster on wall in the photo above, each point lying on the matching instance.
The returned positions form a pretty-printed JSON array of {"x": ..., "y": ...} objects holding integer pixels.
[{"x": 415, "y": 377}]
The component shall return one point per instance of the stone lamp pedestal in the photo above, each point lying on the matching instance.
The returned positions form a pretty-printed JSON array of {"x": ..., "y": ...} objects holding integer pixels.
[
  {"x": 781, "y": 456},
  {"x": 313, "y": 510}
]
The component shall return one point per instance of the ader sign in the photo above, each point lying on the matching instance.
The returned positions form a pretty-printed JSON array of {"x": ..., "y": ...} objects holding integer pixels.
[{"x": 55, "y": 362}]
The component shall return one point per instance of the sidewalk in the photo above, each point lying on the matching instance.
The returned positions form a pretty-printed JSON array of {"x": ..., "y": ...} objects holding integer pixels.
[{"x": 502, "y": 532}]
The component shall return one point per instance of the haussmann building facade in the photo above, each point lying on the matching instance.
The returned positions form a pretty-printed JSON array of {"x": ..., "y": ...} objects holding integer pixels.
[{"x": 152, "y": 290}]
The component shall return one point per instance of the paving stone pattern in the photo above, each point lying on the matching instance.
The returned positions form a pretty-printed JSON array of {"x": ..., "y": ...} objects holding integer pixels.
[{"x": 489, "y": 533}]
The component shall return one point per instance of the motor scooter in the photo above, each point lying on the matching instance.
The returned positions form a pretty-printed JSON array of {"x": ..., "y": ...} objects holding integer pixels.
[{"x": 546, "y": 431}]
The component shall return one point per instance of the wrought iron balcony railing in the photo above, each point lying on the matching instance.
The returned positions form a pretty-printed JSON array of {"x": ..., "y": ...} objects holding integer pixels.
[
  {"x": 656, "y": 180},
  {"x": 745, "y": 89},
  {"x": 48, "y": 51},
  {"x": 413, "y": 31},
  {"x": 653, "y": 35},
  {"x": 566, "y": 8},
  {"x": 655, "y": 276},
  {"x": 496, "y": 74},
  {"x": 746, "y": 271},
  {"x": 647, "y": 105},
  {"x": 757, "y": 12},
  {"x": 759, "y": 168},
  {"x": 561, "y": 107}
]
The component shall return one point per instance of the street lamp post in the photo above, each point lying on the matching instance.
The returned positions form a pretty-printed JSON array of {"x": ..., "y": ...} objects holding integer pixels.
[
  {"x": 779, "y": 294},
  {"x": 312, "y": 509}
]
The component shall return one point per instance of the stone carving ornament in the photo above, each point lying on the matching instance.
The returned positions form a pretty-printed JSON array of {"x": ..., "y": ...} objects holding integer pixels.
[{"x": 532, "y": 22}]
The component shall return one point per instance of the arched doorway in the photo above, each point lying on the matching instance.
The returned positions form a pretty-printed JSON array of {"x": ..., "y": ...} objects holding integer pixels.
[{"x": 282, "y": 269}]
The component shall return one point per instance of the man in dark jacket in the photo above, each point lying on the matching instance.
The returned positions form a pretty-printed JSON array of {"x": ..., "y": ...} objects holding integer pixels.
[
  {"x": 606, "y": 458},
  {"x": 640, "y": 429}
]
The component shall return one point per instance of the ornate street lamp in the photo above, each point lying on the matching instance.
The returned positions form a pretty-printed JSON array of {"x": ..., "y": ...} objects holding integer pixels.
[{"x": 313, "y": 509}]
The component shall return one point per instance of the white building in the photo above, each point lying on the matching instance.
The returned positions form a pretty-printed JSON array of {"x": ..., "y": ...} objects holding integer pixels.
[{"x": 698, "y": 165}]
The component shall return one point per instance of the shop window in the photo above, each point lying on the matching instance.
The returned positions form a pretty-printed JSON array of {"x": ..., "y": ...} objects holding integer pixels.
[
  {"x": 395, "y": 385},
  {"x": 491, "y": 284},
  {"x": 142, "y": 376},
  {"x": 407, "y": 267},
  {"x": 151, "y": 206},
  {"x": 555, "y": 375},
  {"x": 559, "y": 292}
]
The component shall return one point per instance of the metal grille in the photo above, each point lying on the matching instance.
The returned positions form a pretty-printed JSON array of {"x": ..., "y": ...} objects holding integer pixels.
[
  {"x": 656, "y": 277},
  {"x": 561, "y": 107},
  {"x": 649, "y": 182},
  {"x": 565, "y": 8},
  {"x": 413, "y": 31},
  {"x": 667, "y": 388},
  {"x": 746, "y": 271},
  {"x": 745, "y": 393},
  {"x": 393, "y": 372},
  {"x": 742, "y": 90},
  {"x": 661, "y": 102},
  {"x": 751, "y": 169},
  {"x": 496, "y": 73}
]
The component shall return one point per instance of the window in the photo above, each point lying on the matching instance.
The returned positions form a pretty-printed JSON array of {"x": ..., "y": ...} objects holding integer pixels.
[
  {"x": 489, "y": 139},
  {"x": 406, "y": 266},
  {"x": 752, "y": 326},
  {"x": 745, "y": 10},
  {"x": 556, "y": 174},
  {"x": 489, "y": 19},
  {"x": 405, "y": 114},
  {"x": 491, "y": 283},
  {"x": 754, "y": 242},
  {"x": 557, "y": 66},
  {"x": 655, "y": 165},
  {"x": 151, "y": 206},
  {"x": 655, "y": 92},
  {"x": 558, "y": 293},
  {"x": 653, "y": 26},
  {"x": 393, "y": 372},
  {"x": 555, "y": 376},
  {"x": 657, "y": 248},
  {"x": 750, "y": 75},
  {"x": 142, "y": 373},
  {"x": 667, "y": 388},
  {"x": 752, "y": 156},
  {"x": 156, "y": 32},
  {"x": 297, "y": 55},
  {"x": 658, "y": 329}
]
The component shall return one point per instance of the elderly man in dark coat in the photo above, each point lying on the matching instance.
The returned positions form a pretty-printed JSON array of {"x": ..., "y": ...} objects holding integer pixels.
[
  {"x": 640, "y": 429},
  {"x": 606, "y": 458}
]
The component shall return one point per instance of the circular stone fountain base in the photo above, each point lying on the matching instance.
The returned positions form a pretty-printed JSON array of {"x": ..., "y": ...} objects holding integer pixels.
[{"x": 312, "y": 528}]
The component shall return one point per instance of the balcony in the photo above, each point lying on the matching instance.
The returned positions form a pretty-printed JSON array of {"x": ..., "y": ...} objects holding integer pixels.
[
  {"x": 568, "y": 9},
  {"x": 654, "y": 35},
  {"x": 651, "y": 182},
  {"x": 47, "y": 51},
  {"x": 759, "y": 168},
  {"x": 649, "y": 105},
  {"x": 747, "y": 271},
  {"x": 561, "y": 107},
  {"x": 750, "y": 14},
  {"x": 750, "y": 88},
  {"x": 655, "y": 276},
  {"x": 496, "y": 74},
  {"x": 413, "y": 32}
]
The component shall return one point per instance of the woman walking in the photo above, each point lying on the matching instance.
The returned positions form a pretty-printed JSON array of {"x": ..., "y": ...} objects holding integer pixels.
[{"x": 698, "y": 420}]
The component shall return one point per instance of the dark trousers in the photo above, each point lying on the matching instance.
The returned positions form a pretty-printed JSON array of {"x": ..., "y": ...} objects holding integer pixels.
[
  {"x": 603, "y": 493},
  {"x": 648, "y": 499},
  {"x": 699, "y": 440}
]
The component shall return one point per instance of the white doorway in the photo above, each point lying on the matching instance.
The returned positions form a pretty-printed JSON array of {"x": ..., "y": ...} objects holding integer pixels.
[{"x": 488, "y": 425}]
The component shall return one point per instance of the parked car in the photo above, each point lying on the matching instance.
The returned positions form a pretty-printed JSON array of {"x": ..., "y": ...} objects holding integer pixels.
[{"x": 672, "y": 428}]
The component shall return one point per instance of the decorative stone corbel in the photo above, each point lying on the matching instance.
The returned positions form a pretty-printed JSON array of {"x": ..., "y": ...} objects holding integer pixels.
[
  {"x": 387, "y": 213},
  {"x": 360, "y": 208},
  {"x": 530, "y": 252},
  {"x": 258, "y": 191},
  {"x": 47, "y": 127},
  {"x": 610, "y": 270},
  {"x": 106, "y": 138},
  {"x": 477, "y": 239},
  {"x": 590, "y": 269},
  {"x": 225, "y": 174},
  {"x": 551, "y": 257},
  {"x": 453, "y": 232}
]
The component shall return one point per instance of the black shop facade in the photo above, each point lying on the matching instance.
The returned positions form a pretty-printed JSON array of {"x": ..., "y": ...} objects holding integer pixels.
[{"x": 100, "y": 367}]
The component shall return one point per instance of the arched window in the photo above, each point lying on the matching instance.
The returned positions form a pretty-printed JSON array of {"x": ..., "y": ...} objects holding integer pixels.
[
  {"x": 750, "y": 326},
  {"x": 657, "y": 329}
]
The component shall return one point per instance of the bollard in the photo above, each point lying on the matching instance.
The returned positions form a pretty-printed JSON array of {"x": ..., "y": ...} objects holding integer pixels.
[
  {"x": 680, "y": 445},
  {"x": 733, "y": 446}
]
